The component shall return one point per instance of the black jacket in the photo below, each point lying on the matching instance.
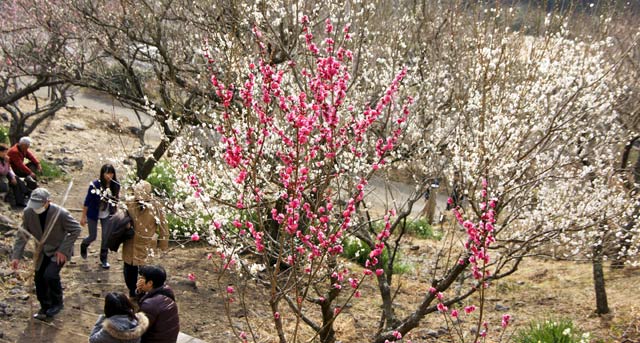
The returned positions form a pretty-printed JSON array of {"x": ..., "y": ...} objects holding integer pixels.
[
  {"x": 160, "y": 307},
  {"x": 120, "y": 228}
]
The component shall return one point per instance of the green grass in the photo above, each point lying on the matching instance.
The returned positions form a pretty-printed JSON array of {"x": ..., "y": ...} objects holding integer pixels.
[
  {"x": 50, "y": 171},
  {"x": 551, "y": 331}
]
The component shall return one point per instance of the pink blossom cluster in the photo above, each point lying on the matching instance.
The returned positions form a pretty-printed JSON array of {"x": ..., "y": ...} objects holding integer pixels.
[
  {"x": 480, "y": 235},
  {"x": 479, "y": 238}
]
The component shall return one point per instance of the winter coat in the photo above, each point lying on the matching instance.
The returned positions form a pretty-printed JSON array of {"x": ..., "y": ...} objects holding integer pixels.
[
  {"x": 119, "y": 329},
  {"x": 148, "y": 220},
  {"x": 160, "y": 307},
  {"x": 17, "y": 159},
  {"x": 64, "y": 232}
]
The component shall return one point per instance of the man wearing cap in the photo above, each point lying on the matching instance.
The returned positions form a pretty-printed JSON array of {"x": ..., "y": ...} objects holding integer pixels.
[
  {"x": 56, "y": 231},
  {"x": 17, "y": 155}
]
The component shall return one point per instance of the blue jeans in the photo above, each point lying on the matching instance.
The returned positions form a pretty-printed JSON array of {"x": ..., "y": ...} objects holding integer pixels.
[{"x": 93, "y": 233}]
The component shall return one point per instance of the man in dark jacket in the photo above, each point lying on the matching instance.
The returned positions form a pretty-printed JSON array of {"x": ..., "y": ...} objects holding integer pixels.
[
  {"x": 157, "y": 301},
  {"x": 56, "y": 231}
]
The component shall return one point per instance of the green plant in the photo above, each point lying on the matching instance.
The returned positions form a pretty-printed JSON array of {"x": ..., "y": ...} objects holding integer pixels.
[
  {"x": 4, "y": 135},
  {"x": 50, "y": 171},
  {"x": 355, "y": 250},
  {"x": 551, "y": 331},
  {"x": 163, "y": 178},
  {"x": 421, "y": 228}
]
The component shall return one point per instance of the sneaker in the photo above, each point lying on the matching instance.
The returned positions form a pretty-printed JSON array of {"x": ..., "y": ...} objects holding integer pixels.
[
  {"x": 54, "y": 310},
  {"x": 41, "y": 315},
  {"x": 105, "y": 265},
  {"x": 83, "y": 251}
]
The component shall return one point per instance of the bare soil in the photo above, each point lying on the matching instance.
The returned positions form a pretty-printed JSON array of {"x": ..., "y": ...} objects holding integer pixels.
[{"x": 541, "y": 289}]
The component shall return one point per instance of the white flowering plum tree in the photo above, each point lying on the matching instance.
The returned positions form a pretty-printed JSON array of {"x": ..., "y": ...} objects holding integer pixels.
[{"x": 30, "y": 59}]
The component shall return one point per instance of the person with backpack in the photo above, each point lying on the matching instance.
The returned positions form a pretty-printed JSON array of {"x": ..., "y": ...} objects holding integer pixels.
[
  {"x": 99, "y": 203},
  {"x": 149, "y": 222}
]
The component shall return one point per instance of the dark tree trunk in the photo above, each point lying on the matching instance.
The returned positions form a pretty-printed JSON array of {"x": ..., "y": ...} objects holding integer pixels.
[{"x": 602, "y": 306}]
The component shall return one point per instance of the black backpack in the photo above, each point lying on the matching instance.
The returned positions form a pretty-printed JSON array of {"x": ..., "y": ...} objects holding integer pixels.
[{"x": 120, "y": 229}]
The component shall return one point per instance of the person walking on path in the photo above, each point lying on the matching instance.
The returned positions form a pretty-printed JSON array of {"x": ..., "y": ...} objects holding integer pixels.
[
  {"x": 56, "y": 231},
  {"x": 158, "y": 302},
  {"x": 119, "y": 323},
  {"x": 17, "y": 154},
  {"x": 148, "y": 223},
  {"x": 99, "y": 203}
]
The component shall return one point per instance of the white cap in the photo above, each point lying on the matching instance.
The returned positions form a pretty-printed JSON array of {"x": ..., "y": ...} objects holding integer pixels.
[{"x": 25, "y": 140}]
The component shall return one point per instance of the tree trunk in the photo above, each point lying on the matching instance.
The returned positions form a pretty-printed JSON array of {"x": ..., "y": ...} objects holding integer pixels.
[
  {"x": 430, "y": 207},
  {"x": 602, "y": 306}
]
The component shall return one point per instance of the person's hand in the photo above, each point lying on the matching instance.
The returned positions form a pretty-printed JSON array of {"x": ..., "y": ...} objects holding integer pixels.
[
  {"x": 14, "y": 264},
  {"x": 33, "y": 176},
  {"x": 6, "y": 158},
  {"x": 83, "y": 221},
  {"x": 39, "y": 168},
  {"x": 14, "y": 181},
  {"x": 60, "y": 258}
]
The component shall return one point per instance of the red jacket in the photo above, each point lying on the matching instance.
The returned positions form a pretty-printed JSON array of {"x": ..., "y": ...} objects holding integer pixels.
[{"x": 17, "y": 160}]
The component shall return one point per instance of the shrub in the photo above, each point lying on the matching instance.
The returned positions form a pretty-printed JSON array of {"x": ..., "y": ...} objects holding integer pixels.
[
  {"x": 163, "y": 178},
  {"x": 551, "y": 331},
  {"x": 50, "y": 171},
  {"x": 421, "y": 228}
]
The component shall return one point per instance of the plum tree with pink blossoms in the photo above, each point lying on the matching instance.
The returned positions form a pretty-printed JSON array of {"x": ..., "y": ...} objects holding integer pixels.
[{"x": 296, "y": 147}]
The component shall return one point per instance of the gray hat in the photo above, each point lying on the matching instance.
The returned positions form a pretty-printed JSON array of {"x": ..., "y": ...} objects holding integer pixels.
[{"x": 39, "y": 198}]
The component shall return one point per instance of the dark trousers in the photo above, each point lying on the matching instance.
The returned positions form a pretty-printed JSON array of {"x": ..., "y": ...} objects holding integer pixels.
[
  {"x": 48, "y": 286},
  {"x": 93, "y": 233},
  {"x": 130, "y": 278},
  {"x": 31, "y": 182},
  {"x": 15, "y": 193}
]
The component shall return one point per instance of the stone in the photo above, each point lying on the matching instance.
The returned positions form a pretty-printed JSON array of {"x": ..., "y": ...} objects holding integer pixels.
[
  {"x": 501, "y": 308},
  {"x": 24, "y": 297},
  {"x": 185, "y": 283},
  {"x": 414, "y": 248},
  {"x": 96, "y": 294},
  {"x": 74, "y": 126},
  {"x": 71, "y": 162},
  {"x": 431, "y": 333}
]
